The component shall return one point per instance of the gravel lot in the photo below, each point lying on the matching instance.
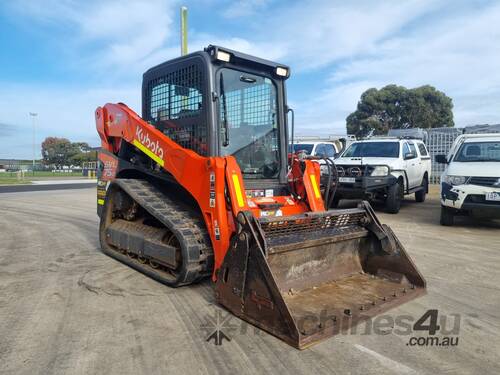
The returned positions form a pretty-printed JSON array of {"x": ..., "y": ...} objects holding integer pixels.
[{"x": 67, "y": 308}]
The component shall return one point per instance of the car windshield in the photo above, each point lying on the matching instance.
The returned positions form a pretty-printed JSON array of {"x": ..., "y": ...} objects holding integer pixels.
[
  {"x": 373, "y": 149},
  {"x": 248, "y": 122},
  {"x": 306, "y": 147},
  {"x": 478, "y": 151}
]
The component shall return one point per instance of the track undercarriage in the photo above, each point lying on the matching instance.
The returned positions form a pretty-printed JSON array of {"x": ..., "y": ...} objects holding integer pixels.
[{"x": 166, "y": 240}]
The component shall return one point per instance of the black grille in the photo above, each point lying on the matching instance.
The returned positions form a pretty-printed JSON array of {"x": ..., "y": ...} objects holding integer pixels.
[
  {"x": 483, "y": 181},
  {"x": 311, "y": 222},
  {"x": 176, "y": 106},
  {"x": 480, "y": 198}
]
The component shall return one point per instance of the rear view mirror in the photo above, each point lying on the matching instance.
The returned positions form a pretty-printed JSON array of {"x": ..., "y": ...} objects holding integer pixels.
[{"x": 441, "y": 159}]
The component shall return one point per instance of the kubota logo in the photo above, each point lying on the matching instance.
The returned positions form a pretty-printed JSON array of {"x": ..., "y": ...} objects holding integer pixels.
[{"x": 144, "y": 139}]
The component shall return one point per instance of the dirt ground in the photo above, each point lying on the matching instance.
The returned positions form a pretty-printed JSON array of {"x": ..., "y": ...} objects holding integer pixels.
[{"x": 67, "y": 308}]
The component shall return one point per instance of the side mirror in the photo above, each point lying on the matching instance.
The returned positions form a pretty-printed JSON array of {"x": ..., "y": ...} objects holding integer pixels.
[
  {"x": 409, "y": 155},
  {"x": 441, "y": 159}
]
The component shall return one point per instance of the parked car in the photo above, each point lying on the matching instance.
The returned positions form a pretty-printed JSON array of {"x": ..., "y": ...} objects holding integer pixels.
[
  {"x": 470, "y": 183},
  {"x": 320, "y": 149},
  {"x": 384, "y": 169}
]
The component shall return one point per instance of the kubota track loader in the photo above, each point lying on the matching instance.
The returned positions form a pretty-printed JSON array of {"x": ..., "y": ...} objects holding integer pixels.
[{"x": 203, "y": 185}]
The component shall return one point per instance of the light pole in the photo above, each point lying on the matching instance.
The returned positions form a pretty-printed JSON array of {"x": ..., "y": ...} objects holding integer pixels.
[
  {"x": 33, "y": 116},
  {"x": 184, "y": 26}
]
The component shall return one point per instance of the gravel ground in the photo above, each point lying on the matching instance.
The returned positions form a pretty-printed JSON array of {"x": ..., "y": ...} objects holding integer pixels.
[{"x": 67, "y": 308}]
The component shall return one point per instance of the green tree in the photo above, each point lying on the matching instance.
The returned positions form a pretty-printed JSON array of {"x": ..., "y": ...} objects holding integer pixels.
[
  {"x": 58, "y": 151},
  {"x": 396, "y": 107}
]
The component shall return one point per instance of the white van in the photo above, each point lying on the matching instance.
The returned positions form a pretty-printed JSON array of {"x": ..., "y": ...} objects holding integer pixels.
[{"x": 470, "y": 183}]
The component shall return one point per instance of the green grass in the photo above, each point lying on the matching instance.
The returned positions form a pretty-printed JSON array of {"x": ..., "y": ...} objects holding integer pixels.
[
  {"x": 10, "y": 178},
  {"x": 12, "y": 181},
  {"x": 30, "y": 174}
]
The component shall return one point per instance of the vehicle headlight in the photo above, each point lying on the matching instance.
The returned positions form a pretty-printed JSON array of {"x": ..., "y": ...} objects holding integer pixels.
[
  {"x": 455, "y": 180},
  {"x": 380, "y": 170}
]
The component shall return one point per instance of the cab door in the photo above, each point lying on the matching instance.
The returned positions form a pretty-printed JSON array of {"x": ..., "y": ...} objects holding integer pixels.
[{"x": 412, "y": 161}]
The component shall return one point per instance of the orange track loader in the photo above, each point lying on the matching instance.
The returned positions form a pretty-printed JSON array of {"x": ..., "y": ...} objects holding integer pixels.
[{"x": 203, "y": 185}]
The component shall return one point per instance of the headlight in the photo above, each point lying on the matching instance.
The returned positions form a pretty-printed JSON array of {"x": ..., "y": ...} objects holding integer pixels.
[
  {"x": 380, "y": 170},
  {"x": 455, "y": 180},
  {"x": 283, "y": 72},
  {"x": 223, "y": 56}
]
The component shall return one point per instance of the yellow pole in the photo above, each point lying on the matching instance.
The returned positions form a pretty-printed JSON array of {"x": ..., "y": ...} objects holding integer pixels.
[{"x": 184, "y": 25}]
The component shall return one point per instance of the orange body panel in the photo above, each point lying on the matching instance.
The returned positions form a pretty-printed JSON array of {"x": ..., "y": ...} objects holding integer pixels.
[{"x": 206, "y": 178}]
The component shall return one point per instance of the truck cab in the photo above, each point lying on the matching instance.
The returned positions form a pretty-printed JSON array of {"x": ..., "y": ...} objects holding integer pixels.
[
  {"x": 319, "y": 149},
  {"x": 384, "y": 169},
  {"x": 470, "y": 183}
]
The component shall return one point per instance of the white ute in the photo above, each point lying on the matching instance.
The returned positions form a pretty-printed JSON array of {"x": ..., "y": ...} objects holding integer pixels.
[
  {"x": 384, "y": 169},
  {"x": 470, "y": 183}
]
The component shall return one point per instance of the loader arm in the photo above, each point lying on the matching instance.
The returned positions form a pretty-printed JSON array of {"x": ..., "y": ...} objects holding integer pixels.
[{"x": 205, "y": 178}]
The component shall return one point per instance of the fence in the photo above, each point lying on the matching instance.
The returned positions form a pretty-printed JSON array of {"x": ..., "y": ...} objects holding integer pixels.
[{"x": 439, "y": 142}]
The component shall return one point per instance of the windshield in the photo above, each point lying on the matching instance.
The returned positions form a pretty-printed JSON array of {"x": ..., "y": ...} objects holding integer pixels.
[
  {"x": 373, "y": 150},
  {"x": 307, "y": 147},
  {"x": 248, "y": 122},
  {"x": 479, "y": 151}
]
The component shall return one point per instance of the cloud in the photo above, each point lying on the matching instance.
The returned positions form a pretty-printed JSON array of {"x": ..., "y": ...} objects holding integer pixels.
[
  {"x": 244, "y": 8},
  {"x": 336, "y": 50},
  {"x": 105, "y": 34},
  {"x": 323, "y": 32},
  {"x": 455, "y": 56}
]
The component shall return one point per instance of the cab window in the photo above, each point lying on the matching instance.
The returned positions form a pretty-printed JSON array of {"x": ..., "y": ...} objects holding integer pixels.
[
  {"x": 422, "y": 149},
  {"x": 329, "y": 150},
  {"x": 320, "y": 150}
]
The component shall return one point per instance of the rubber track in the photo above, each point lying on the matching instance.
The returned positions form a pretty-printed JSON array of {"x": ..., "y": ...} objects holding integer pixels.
[{"x": 185, "y": 223}]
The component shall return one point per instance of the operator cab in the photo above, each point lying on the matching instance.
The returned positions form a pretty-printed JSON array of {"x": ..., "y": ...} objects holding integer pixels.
[{"x": 221, "y": 102}]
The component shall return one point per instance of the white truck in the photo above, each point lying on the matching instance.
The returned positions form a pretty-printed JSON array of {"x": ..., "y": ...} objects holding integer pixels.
[
  {"x": 319, "y": 149},
  {"x": 384, "y": 169},
  {"x": 470, "y": 183}
]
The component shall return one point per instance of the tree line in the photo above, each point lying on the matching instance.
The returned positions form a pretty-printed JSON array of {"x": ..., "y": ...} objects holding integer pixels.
[
  {"x": 59, "y": 152},
  {"x": 396, "y": 107}
]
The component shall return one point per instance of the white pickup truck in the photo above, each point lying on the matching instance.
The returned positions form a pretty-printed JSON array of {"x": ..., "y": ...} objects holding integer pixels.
[
  {"x": 384, "y": 169},
  {"x": 319, "y": 149},
  {"x": 470, "y": 183}
]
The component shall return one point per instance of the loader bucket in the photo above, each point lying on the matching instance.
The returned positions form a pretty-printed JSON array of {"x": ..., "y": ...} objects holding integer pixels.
[{"x": 307, "y": 277}]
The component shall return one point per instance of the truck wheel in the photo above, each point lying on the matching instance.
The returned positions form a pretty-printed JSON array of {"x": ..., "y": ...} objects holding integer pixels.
[
  {"x": 420, "y": 195},
  {"x": 394, "y": 198},
  {"x": 447, "y": 217}
]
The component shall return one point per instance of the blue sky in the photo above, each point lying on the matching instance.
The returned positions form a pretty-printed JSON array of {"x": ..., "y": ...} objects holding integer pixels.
[{"x": 63, "y": 58}]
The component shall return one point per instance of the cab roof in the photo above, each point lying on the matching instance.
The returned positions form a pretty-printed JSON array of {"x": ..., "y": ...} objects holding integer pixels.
[{"x": 485, "y": 137}]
